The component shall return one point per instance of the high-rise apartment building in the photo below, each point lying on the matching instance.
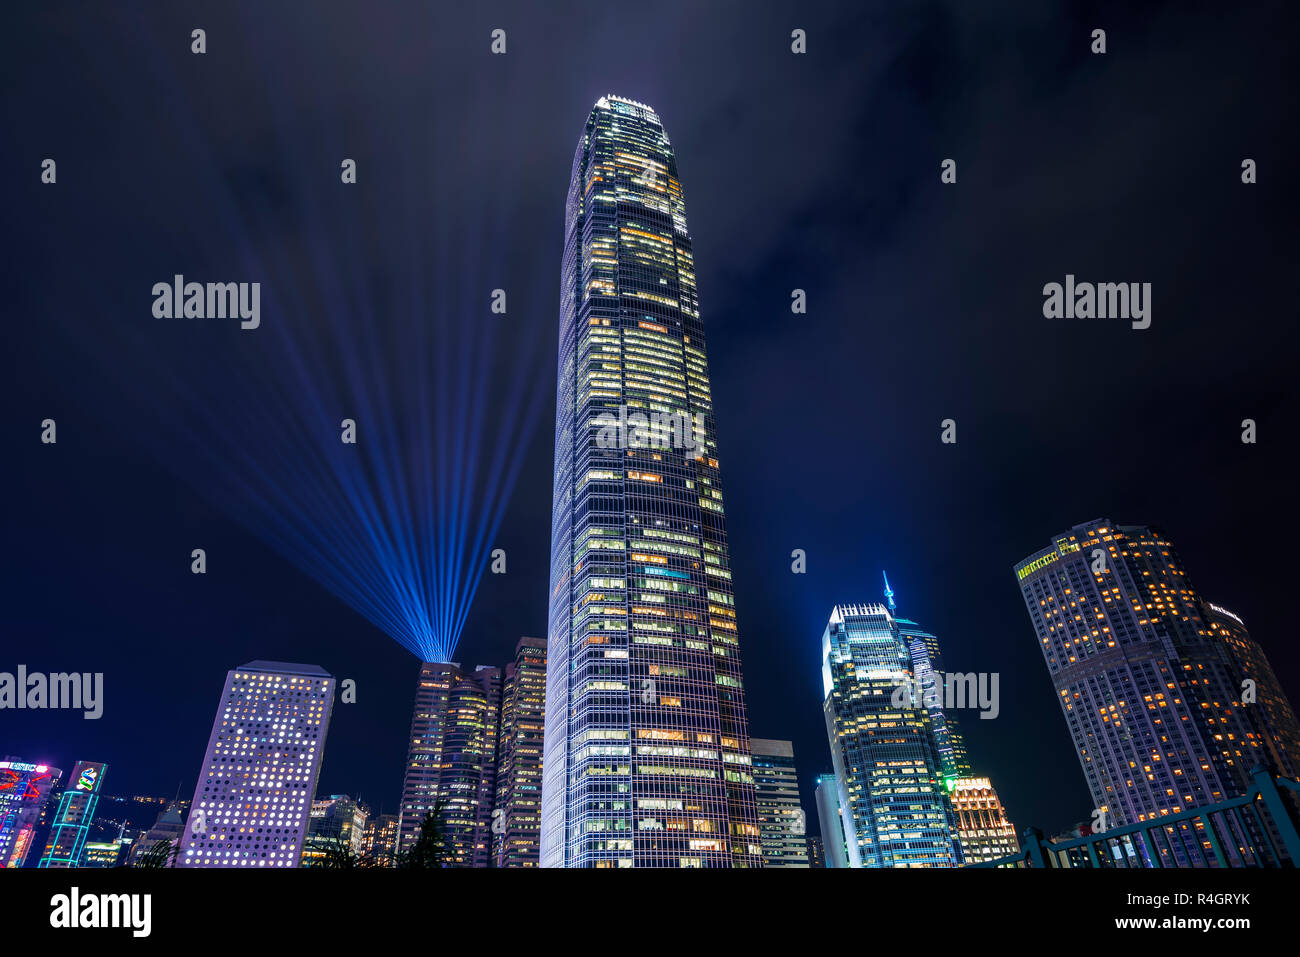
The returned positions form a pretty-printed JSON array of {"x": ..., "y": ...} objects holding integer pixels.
[
  {"x": 982, "y": 825},
  {"x": 647, "y": 748},
  {"x": 72, "y": 821},
  {"x": 252, "y": 803},
  {"x": 1266, "y": 704},
  {"x": 24, "y": 790},
  {"x": 451, "y": 762},
  {"x": 782, "y": 824},
  {"x": 517, "y": 815},
  {"x": 1147, "y": 684},
  {"x": 887, "y": 766}
]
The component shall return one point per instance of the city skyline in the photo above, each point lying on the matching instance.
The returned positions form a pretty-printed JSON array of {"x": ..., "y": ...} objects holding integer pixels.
[{"x": 819, "y": 174}]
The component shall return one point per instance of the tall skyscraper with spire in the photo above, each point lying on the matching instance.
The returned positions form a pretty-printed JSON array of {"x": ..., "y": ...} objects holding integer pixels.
[
  {"x": 647, "y": 757},
  {"x": 888, "y": 770}
]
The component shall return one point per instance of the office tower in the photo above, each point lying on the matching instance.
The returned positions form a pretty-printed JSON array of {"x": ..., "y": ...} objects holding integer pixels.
[
  {"x": 1149, "y": 692},
  {"x": 982, "y": 825},
  {"x": 381, "y": 837},
  {"x": 170, "y": 826},
  {"x": 647, "y": 758},
  {"x": 782, "y": 824},
  {"x": 252, "y": 802},
  {"x": 337, "y": 822},
  {"x": 24, "y": 790},
  {"x": 830, "y": 820},
  {"x": 894, "y": 802},
  {"x": 1270, "y": 713},
  {"x": 928, "y": 673},
  {"x": 517, "y": 815},
  {"x": 816, "y": 852},
  {"x": 451, "y": 763},
  {"x": 76, "y": 811}
]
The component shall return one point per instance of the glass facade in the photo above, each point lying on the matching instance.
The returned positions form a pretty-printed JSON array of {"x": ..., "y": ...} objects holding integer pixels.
[
  {"x": 887, "y": 765},
  {"x": 781, "y": 818},
  {"x": 76, "y": 811},
  {"x": 647, "y": 753},
  {"x": 517, "y": 816},
  {"x": 451, "y": 762}
]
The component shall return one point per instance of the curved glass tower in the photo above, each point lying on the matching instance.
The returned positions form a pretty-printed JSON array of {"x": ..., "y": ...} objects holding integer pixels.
[{"x": 647, "y": 759}]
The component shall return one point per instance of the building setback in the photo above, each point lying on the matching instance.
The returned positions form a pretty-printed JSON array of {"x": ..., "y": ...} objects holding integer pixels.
[
  {"x": 647, "y": 758},
  {"x": 781, "y": 820},
  {"x": 252, "y": 803},
  {"x": 517, "y": 816}
]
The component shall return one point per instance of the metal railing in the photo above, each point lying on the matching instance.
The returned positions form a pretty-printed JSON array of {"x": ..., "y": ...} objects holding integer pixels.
[{"x": 1257, "y": 829}]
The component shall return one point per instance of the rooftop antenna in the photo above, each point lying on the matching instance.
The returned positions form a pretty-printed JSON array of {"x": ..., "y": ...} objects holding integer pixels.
[{"x": 889, "y": 593}]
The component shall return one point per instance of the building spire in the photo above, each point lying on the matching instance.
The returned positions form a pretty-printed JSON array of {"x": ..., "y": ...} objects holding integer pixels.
[{"x": 889, "y": 593}]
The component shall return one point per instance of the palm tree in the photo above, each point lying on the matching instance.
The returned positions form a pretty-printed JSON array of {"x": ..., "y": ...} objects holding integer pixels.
[
  {"x": 430, "y": 848},
  {"x": 163, "y": 854}
]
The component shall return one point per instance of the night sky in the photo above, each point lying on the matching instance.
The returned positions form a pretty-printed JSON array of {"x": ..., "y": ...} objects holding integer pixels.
[{"x": 818, "y": 171}]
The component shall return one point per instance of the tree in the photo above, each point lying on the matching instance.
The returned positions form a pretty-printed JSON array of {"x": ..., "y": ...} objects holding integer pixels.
[
  {"x": 430, "y": 848},
  {"x": 163, "y": 854}
]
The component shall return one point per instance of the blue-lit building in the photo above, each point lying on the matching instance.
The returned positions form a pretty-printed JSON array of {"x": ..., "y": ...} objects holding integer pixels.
[
  {"x": 647, "y": 760},
  {"x": 927, "y": 671},
  {"x": 888, "y": 771},
  {"x": 72, "y": 820}
]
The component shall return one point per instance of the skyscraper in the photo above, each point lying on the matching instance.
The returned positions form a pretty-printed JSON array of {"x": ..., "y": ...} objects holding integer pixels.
[
  {"x": 781, "y": 821},
  {"x": 381, "y": 837},
  {"x": 647, "y": 748},
  {"x": 252, "y": 803},
  {"x": 517, "y": 815},
  {"x": 451, "y": 762},
  {"x": 76, "y": 811},
  {"x": 982, "y": 825},
  {"x": 24, "y": 789},
  {"x": 337, "y": 822},
  {"x": 927, "y": 671},
  {"x": 890, "y": 777},
  {"x": 1148, "y": 689},
  {"x": 1270, "y": 712}
]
